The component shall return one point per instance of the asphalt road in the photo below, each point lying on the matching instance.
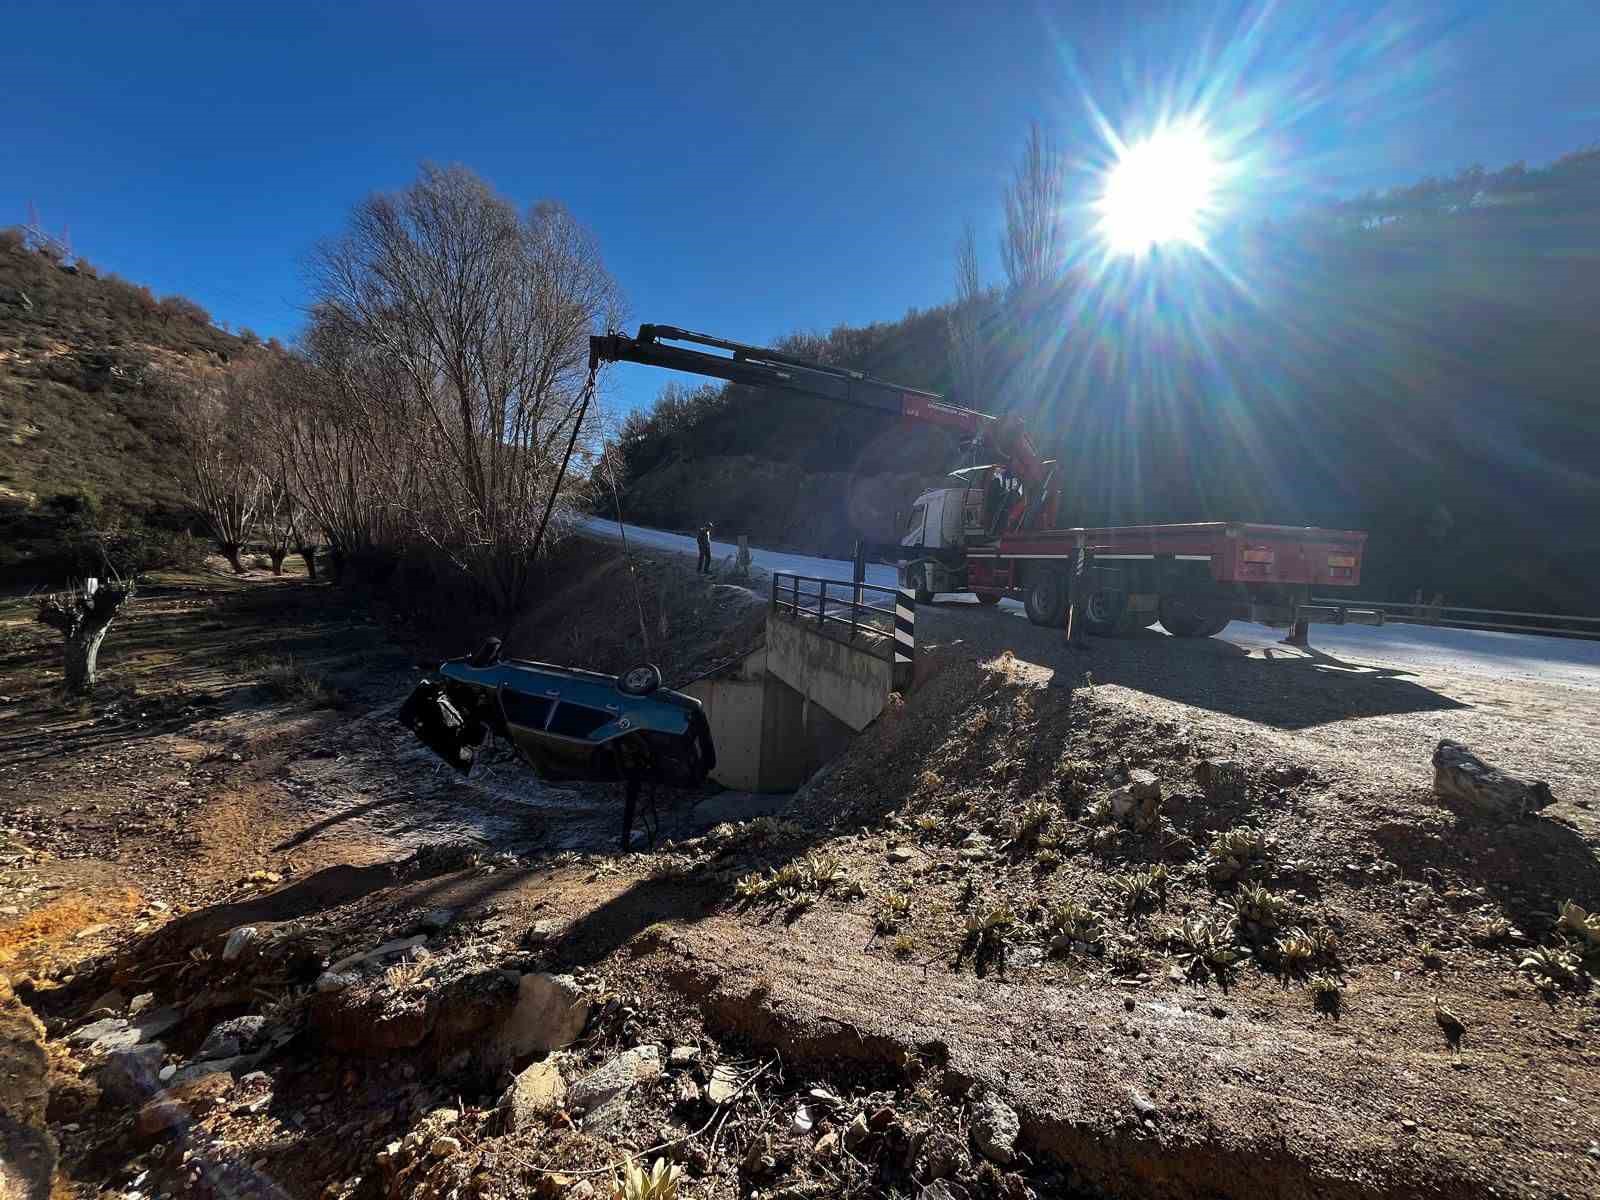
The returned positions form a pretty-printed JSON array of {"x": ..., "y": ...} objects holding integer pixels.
[{"x": 1568, "y": 661}]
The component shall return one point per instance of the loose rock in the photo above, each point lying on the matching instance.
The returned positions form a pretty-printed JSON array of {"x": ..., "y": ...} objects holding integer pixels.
[
  {"x": 539, "y": 1091},
  {"x": 1460, "y": 775},
  {"x": 618, "y": 1076},
  {"x": 723, "y": 1086},
  {"x": 995, "y": 1126}
]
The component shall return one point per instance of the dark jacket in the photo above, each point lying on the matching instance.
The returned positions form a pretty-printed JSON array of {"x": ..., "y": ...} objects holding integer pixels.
[{"x": 702, "y": 538}]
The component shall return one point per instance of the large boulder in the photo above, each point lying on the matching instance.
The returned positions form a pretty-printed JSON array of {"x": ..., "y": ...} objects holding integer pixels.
[
  {"x": 550, "y": 1012},
  {"x": 1461, "y": 776}
]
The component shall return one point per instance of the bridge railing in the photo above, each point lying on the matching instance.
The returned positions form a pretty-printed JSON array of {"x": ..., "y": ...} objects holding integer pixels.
[
  {"x": 880, "y": 620},
  {"x": 1458, "y": 616}
]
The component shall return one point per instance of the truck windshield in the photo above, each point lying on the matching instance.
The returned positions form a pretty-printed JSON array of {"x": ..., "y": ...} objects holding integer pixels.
[{"x": 914, "y": 525}]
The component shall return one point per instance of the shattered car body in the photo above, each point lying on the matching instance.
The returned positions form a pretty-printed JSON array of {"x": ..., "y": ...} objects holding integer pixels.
[{"x": 567, "y": 723}]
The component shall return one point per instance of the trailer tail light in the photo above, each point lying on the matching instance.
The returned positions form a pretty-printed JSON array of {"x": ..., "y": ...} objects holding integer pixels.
[
  {"x": 1258, "y": 555},
  {"x": 1341, "y": 560}
]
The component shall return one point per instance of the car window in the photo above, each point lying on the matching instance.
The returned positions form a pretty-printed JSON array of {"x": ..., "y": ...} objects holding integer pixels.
[
  {"x": 578, "y": 720},
  {"x": 525, "y": 710}
]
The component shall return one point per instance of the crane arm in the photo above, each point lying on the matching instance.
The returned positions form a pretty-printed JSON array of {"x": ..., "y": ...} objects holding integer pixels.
[
  {"x": 759, "y": 367},
  {"x": 756, "y": 366}
]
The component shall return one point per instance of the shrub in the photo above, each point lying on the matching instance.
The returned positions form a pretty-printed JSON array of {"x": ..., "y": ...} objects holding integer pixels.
[{"x": 286, "y": 679}]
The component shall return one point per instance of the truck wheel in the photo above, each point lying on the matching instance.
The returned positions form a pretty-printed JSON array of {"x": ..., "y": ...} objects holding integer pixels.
[
  {"x": 913, "y": 577},
  {"x": 1046, "y": 598},
  {"x": 1180, "y": 618},
  {"x": 1103, "y": 611},
  {"x": 1193, "y": 615}
]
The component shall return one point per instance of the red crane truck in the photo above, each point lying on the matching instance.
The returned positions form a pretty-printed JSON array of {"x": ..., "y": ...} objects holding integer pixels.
[{"x": 993, "y": 530}]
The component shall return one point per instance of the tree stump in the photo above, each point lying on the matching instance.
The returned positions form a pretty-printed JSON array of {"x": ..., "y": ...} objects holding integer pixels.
[{"x": 1460, "y": 775}]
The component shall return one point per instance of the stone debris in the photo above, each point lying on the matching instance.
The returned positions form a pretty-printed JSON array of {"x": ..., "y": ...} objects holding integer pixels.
[
  {"x": 230, "y": 1038},
  {"x": 683, "y": 1057},
  {"x": 538, "y": 1091},
  {"x": 1137, "y": 802},
  {"x": 724, "y": 1084},
  {"x": 238, "y": 941},
  {"x": 995, "y": 1127},
  {"x": 398, "y": 946},
  {"x": 639, "y": 1065}
]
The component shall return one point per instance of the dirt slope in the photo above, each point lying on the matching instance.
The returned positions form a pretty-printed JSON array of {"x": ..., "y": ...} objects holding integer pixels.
[{"x": 950, "y": 918}]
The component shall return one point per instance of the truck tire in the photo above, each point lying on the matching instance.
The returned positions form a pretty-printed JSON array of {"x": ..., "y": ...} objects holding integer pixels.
[
  {"x": 1179, "y": 617},
  {"x": 1103, "y": 612},
  {"x": 1046, "y": 597},
  {"x": 914, "y": 578},
  {"x": 1188, "y": 615}
]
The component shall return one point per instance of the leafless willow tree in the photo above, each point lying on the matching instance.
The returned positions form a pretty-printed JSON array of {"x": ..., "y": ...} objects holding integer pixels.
[
  {"x": 966, "y": 349},
  {"x": 216, "y": 423},
  {"x": 82, "y": 616},
  {"x": 455, "y": 333},
  {"x": 1030, "y": 248},
  {"x": 281, "y": 518}
]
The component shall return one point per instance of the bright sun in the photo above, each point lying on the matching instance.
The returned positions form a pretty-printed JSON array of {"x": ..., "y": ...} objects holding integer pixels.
[{"x": 1160, "y": 190}]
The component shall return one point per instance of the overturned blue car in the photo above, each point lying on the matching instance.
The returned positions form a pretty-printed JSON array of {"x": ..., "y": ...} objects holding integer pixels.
[{"x": 566, "y": 723}]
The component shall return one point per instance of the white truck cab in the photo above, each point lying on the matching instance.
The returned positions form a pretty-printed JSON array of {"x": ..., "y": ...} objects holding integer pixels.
[{"x": 942, "y": 521}]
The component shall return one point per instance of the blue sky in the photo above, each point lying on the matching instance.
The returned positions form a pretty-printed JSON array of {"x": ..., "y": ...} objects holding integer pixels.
[{"x": 750, "y": 170}]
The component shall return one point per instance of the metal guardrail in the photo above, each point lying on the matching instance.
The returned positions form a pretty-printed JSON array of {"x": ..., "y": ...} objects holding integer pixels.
[
  {"x": 1460, "y": 616},
  {"x": 808, "y": 598}
]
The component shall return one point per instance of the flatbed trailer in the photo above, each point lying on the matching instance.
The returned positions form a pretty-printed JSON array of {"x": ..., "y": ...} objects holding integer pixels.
[{"x": 1193, "y": 578}]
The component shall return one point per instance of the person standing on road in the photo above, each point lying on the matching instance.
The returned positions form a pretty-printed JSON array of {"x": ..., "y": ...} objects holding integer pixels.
[{"x": 702, "y": 539}]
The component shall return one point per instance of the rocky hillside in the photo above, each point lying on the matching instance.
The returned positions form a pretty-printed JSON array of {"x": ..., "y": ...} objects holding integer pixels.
[
  {"x": 1416, "y": 364},
  {"x": 84, "y": 434}
]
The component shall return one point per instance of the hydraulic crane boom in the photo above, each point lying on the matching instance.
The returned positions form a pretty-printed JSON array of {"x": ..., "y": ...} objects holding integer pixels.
[{"x": 760, "y": 367}]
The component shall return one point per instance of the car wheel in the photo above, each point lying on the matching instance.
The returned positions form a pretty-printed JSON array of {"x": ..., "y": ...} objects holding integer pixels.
[{"x": 640, "y": 680}]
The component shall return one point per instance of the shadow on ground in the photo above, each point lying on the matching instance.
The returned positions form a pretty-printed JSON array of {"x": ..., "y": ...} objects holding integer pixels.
[{"x": 1283, "y": 687}]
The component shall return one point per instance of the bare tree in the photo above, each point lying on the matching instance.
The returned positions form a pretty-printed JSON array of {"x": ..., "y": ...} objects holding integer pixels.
[
  {"x": 280, "y": 519},
  {"x": 966, "y": 351},
  {"x": 82, "y": 616},
  {"x": 215, "y": 424},
  {"x": 1030, "y": 247},
  {"x": 480, "y": 320}
]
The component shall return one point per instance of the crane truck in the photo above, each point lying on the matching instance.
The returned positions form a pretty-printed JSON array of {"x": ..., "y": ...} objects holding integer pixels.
[{"x": 993, "y": 528}]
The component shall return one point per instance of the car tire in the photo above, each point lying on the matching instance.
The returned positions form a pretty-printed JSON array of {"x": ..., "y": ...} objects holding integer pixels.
[
  {"x": 1046, "y": 597},
  {"x": 487, "y": 654},
  {"x": 640, "y": 680}
]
